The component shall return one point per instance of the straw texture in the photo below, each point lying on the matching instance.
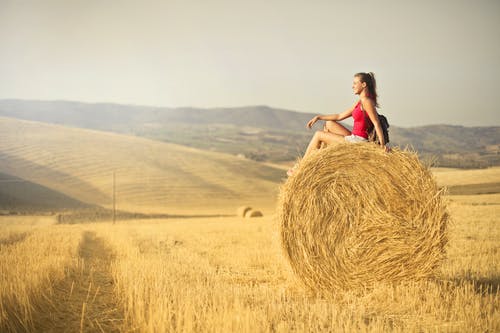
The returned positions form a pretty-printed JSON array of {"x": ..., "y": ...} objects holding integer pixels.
[{"x": 352, "y": 215}]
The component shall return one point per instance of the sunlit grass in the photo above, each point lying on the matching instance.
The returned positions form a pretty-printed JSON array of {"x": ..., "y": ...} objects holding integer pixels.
[
  {"x": 30, "y": 264},
  {"x": 228, "y": 274}
]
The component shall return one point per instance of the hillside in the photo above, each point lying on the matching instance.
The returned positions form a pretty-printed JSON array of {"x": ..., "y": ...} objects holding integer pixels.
[
  {"x": 151, "y": 176},
  {"x": 258, "y": 132},
  {"x": 20, "y": 195}
]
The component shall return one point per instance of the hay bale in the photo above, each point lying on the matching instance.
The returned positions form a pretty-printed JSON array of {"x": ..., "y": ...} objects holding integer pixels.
[
  {"x": 253, "y": 213},
  {"x": 241, "y": 211},
  {"x": 352, "y": 215}
]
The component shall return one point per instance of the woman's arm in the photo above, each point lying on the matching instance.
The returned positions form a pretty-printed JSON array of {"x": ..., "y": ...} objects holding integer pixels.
[
  {"x": 373, "y": 115},
  {"x": 335, "y": 117}
]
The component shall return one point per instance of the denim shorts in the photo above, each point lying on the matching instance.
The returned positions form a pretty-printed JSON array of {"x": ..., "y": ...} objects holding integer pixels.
[{"x": 355, "y": 138}]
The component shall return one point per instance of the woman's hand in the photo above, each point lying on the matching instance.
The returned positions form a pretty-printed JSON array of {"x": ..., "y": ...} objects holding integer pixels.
[{"x": 312, "y": 121}]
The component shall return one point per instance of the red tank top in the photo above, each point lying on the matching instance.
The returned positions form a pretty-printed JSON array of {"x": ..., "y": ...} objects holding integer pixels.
[{"x": 361, "y": 121}]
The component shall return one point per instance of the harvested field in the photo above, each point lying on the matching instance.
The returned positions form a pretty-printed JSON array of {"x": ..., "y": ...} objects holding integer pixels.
[
  {"x": 470, "y": 189},
  {"x": 226, "y": 275},
  {"x": 178, "y": 259}
]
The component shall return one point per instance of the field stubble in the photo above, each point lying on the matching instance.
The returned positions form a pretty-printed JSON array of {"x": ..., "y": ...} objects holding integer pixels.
[
  {"x": 228, "y": 274},
  {"x": 32, "y": 260}
]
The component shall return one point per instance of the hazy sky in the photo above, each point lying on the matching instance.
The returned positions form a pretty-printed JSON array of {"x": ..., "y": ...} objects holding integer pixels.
[{"x": 435, "y": 61}]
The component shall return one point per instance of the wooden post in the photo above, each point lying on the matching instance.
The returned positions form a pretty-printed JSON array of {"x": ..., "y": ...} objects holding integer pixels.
[{"x": 114, "y": 198}]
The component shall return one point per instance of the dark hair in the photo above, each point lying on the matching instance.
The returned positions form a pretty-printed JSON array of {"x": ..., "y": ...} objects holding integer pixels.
[{"x": 371, "y": 84}]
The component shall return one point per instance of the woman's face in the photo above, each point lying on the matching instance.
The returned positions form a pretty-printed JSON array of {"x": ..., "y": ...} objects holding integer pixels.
[{"x": 357, "y": 85}]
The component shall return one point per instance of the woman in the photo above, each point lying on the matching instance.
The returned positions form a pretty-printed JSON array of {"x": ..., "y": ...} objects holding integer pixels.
[{"x": 363, "y": 113}]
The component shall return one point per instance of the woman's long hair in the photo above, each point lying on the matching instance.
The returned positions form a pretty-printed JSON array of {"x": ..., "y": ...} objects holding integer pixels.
[{"x": 371, "y": 84}]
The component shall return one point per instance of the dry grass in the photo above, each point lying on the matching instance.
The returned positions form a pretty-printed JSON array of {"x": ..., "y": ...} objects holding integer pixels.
[
  {"x": 353, "y": 215},
  {"x": 476, "y": 200},
  {"x": 228, "y": 276},
  {"x": 225, "y": 275},
  {"x": 452, "y": 177},
  {"x": 471, "y": 189},
  {"x": 29, "y": 266}
]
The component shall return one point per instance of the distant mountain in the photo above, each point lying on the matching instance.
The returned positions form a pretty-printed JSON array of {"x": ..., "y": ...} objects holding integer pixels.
[
  {"x": 107, "y": 116},
  {"x": 257, "y": 132},
  {"x": 452, "y": 146}
]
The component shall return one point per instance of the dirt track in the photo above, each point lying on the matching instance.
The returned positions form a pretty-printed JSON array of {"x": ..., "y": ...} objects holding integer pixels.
[{"x": 84, "y": 301}]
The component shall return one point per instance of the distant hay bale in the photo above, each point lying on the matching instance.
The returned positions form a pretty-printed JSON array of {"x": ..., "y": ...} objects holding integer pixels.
[
  {"x": 352, "y": 215},
  {"x": 241, "y": 211},
  {"x": 253, "y": 213}
]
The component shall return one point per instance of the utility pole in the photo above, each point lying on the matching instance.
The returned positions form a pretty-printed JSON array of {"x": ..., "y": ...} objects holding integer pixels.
[{"x": 114, "y": 198}]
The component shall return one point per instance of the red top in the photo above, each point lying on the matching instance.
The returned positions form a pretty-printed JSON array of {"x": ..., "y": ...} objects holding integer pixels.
[{"x": 361, "y": 121}]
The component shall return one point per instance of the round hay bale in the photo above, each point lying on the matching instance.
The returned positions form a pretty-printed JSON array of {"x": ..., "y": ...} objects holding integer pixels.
[
  {"x": 352, "y": 215},
  {"x": 241, "y": 211},
  {"x": 253, "y": 213}
]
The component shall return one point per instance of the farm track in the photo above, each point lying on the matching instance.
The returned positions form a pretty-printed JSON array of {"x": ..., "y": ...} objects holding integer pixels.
[{"x": 84, "y": 301}]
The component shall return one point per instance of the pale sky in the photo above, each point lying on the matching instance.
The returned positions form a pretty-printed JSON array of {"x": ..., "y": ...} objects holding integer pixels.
[{"x": 435, "y": 61}]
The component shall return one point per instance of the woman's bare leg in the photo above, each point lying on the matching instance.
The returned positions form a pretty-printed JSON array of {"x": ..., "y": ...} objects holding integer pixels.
[
  {"x": 332, "y": 133},
  {"x": 326, "y": 137},
  {"x": 336, "y": 128}
]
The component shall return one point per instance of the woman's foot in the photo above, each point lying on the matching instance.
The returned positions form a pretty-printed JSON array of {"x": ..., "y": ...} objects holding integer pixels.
[{"x": 292, "y": 170}]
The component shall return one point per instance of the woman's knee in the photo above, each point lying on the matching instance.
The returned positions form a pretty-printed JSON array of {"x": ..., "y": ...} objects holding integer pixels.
[
  {"x": 321, "y": 136},
  {"x": 329, "y": 125},
  {"x": 336, "y": 128}
]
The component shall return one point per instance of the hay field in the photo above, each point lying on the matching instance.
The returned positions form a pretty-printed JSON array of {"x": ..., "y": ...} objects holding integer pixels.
[
  {"x": 151, "y": 176},
  {"x": 216, "y": 274},
  {"x": 452, "y": 177},
  {"x": 228, "y": 274}
]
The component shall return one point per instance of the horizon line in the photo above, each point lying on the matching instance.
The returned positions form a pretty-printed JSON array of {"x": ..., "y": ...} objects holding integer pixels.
[{"x": 214, "y": 108}]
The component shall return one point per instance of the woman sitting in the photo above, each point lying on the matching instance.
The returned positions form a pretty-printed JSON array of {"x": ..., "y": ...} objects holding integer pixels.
[{"x": 363, "y": 112}]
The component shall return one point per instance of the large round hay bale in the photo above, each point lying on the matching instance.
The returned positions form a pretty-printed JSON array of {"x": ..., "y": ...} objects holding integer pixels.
[
  {"x": 352, "y": 215},
  {"x": 241, "y": 211},
  {"x": 253, "y": 213}
]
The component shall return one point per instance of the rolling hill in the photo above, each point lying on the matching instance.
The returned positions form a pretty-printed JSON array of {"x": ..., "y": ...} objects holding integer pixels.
[
  {"x": 20, "y": 195},
  {"x": 258, "y": 132},
  {"x": 151, "y": 176}
]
